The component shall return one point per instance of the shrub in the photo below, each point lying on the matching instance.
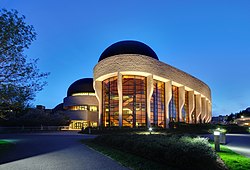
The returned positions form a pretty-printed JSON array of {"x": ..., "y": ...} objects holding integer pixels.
[{"x": 181, "y": 152}]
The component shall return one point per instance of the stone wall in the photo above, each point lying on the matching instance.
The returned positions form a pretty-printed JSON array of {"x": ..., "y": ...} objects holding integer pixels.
[
  {"x": 80, "y": 100},
  {"x": 141, "y": 63}
]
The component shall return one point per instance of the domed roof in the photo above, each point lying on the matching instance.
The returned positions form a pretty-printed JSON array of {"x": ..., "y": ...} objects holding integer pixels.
[
  {"x": 81, "y": 86},
  {"x": 128, "y": 47}
]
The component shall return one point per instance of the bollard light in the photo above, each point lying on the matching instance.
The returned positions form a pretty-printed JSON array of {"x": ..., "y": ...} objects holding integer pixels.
[
  {"x": 216, "y": 133},
  {"x": 150, "y": 130},
  {"x": 217, "y": 140}
]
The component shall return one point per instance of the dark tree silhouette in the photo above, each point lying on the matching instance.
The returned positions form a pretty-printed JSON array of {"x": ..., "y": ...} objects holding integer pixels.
[{"x": 20, "y": 78}]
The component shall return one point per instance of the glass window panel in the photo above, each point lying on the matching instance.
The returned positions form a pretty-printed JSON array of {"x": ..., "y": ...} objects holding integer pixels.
[
  {"x": 93, "y": 108},
  {"x": 110, "y": 115},
  {"x": 134, "y": 101},
  {"x": 157, "y": 104},
  {"x": 174, "y": 105}
]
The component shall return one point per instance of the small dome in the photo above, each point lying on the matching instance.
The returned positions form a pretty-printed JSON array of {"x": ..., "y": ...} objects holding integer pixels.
[
  {"x": 128, "y": 47},
  {"x": 84, "y": 85}
]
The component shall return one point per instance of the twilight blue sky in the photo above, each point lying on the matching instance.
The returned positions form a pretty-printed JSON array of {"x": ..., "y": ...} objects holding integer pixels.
[{"x": 209, "y": 39}]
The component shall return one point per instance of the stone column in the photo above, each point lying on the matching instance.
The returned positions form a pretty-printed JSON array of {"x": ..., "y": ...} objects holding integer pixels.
[
  {"x": 98, "y": 92},
  {"x": 203, "y": 109},
  {"x": 119, "y": 87},
  {"x": 210, "y": 112},
  {"x": 198, "y": 107},
  {"x": 181, "y": 101},
  {"x": 168, "y": 96},
  {"x": 150, "y": 90},
  {"x": 191, "y": 105},
  {"x": 207, "y": 116}
]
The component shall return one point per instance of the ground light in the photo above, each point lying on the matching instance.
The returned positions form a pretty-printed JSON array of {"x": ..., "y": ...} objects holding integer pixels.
[
  {"x": 217, "y": 140},
  {"x": 222, "y": 135},
  {"x": 150, "y": 130}
]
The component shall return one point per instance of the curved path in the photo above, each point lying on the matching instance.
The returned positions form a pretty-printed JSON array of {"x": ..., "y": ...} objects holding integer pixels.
[
  {"x": 239, "y": 143},
  {"x": 61, "y": 150}
]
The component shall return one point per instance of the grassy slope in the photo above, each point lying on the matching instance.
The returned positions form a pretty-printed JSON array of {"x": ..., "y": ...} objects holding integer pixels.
[
  {"x": 4, "y": 146},
  {"x": 233, "y": 161}
]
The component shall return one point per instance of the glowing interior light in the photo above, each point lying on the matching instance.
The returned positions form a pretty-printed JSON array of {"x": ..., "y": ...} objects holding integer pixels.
[{"x": 83, "y": 94}]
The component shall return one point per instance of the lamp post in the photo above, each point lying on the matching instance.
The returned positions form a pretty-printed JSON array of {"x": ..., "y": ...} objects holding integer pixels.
[
  {"x": 150, "y": 130},
  {"x": 217, "y": 140}
]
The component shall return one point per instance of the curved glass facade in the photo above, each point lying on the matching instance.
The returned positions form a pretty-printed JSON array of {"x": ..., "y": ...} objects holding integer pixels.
[{"x": 134, "y": 101}]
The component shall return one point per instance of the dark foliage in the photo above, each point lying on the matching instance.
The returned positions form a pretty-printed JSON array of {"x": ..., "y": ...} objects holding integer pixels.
[
  {"x": 180, "y": 152},
  {"x": 176, "y": 128},
  {"x": 20, "y": 78},
  {"x": 36, "y": 117}
]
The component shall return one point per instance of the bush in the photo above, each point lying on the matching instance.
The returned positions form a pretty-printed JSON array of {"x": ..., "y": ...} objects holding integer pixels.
[
  {"x": 36, "y": 117},
  {"x": 113, "y": 130},
  {"x": 181, "y": 152},
  {"x": 181, "y": 127}
]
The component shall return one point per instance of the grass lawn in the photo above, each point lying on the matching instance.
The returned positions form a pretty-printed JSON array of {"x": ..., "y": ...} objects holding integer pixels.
[
  {"x": 4, "y": 146},
  {"x": 233, "y": 161},
  {"x": 126, "y": 159}
]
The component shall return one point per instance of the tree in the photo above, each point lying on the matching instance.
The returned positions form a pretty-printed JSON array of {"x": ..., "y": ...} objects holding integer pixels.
[
  {"x": 20, "y": 78},
  {"x": 230, "y": 118}
]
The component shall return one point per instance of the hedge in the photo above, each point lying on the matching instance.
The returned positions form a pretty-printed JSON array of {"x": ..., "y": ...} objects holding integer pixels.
[{"x": 181, "y": 152}]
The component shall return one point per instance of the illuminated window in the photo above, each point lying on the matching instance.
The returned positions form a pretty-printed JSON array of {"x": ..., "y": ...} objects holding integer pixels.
[
  {"x": 134, "y": 101},
  {"x": 83, "y": 94},
  {"x": 174, "y": 105},
  {"x": 157, "y": 105},
  {"x": 83, "y": 107},
  {"x": 93, "y": 108},
  {"x": 185, "y": 109},
  {"x": 78, "y": 107},
  {"x": 110, "y": 101}
]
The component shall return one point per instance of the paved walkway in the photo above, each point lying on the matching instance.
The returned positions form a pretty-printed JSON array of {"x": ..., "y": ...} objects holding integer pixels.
[
  {"x": 239, "y": 143},
  {"x": 47, "y": 151}
]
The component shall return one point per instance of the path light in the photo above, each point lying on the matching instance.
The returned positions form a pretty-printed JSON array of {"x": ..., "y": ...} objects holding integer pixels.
[
  {"x": 217, "y": 133},
  {"x": 222, "y": 135},
  {"x": 217, "y": 140},
  {"x": 150, "y": 130}
]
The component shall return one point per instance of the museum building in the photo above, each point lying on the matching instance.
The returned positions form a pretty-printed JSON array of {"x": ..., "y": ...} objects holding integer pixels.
[
  {"x": 133, "y": 88},
  {"x": 81, "y": 104}
]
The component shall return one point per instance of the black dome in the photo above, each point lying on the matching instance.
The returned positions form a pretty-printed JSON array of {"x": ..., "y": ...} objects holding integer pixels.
[
  {"x": 81, "y": 86},
  {"x": 128, "y": 47}
]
